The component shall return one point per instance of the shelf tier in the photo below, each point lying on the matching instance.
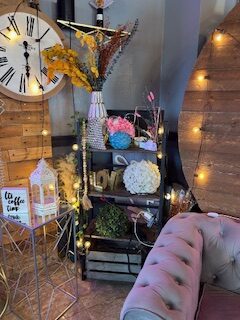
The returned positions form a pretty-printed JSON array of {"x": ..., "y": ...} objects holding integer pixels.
[
  {"x": 87, "y": 28},
  {"x": 129, "y": 150},
  {"x": 124, "y": 194}
]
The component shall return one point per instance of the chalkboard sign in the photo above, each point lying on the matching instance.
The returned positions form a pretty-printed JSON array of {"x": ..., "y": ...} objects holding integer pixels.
[{"x": 15, "y": 203}]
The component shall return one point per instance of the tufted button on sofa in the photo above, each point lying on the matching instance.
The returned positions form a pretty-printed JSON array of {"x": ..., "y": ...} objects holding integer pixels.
[{"x": 190, "y": 249}]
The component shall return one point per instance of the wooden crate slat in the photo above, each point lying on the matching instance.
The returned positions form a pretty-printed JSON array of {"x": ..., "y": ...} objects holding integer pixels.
[
  {"x": 112, "y": 267},
  {"x": 111, "y": 276},
  {"x": 114, "y": 257}
]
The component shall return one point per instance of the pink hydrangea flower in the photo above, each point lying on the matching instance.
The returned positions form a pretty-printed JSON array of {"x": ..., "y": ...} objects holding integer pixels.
[{"x": 120, "y": 124}]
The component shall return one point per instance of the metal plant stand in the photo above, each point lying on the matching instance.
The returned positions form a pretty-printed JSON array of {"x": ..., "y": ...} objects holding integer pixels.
[{"x": 41, "y": 278}]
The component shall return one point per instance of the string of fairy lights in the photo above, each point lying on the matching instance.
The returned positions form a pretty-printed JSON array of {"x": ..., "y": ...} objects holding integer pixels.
[{"x": 204, "y": 79}]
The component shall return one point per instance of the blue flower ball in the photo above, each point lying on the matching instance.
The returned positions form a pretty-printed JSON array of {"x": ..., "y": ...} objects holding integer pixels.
[{"x": 120, "y": 140}]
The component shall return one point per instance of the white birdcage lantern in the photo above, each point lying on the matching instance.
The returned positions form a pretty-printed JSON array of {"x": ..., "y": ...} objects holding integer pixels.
[{"x": 44, "y": 188}]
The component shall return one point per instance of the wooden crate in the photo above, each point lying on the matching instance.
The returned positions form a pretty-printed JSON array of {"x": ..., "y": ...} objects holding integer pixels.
[
  {"x": 113, "y": 259},
  {"x": 103, "y": 265}
]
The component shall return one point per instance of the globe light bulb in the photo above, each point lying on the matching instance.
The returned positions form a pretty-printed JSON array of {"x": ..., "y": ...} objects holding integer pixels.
[
  {"x": 167, "y": 196},
  {"x": 74, "y": 199},
  {"x": 196, "y": 129},
  {"x": 160, "y": 131},
  {"x": 34, "y": 87},
  {"x": 75, "y": 147},
  {"x": 201, "y": 77},
  {"x": 201, "y": 176},
  {"x": 44, "y": 132},
  {"x": 218, "y": 37},
  {"x": 79, "y": 243},
  {"x": 76, "y": 185},
  {"x": 87, "y": 244},
  {"x": 51, "y": 187},
  {"x": 12, "y": 35},
  {"x": 160, "y": 155}
]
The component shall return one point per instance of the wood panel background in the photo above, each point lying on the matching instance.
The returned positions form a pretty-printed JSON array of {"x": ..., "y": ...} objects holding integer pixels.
[
  {"x": 21, "y": 140},
  {"x": 214, "y": 105}
]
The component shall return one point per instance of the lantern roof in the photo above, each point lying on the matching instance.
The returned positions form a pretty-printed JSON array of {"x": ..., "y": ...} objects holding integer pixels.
[{"x": 43, "y": 173}]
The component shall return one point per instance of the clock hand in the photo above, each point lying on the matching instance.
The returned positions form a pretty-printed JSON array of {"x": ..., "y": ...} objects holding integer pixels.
[
  {"x": 40, "y": 86},
  {"x": 38, "y": 40},
  {"x": 26, "y": 55}
]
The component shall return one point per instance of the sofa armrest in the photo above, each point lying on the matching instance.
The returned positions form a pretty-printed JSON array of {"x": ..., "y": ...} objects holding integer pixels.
[{"x": 167, "y": 287}]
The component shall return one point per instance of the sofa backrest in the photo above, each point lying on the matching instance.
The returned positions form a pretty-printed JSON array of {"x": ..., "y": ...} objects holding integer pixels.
[{"x": 221, "y": 251}]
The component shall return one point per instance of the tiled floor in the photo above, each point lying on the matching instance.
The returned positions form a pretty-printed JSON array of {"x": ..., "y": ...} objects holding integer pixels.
[{"x": 99, "y": 300}]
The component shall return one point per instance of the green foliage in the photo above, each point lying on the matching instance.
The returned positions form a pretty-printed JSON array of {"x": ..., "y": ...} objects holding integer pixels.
[{"x": 111, "y": 222}]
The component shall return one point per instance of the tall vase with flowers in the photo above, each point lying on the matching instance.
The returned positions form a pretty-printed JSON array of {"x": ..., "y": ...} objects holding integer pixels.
[{"x": 91, "y": 68}]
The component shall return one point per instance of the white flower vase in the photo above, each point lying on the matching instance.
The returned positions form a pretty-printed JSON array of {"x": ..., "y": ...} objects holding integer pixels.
[{"x": 97, "y": 109}]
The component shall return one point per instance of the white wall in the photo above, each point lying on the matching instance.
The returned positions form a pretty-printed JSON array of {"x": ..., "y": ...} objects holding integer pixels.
[{"x": 179, "y": 54}]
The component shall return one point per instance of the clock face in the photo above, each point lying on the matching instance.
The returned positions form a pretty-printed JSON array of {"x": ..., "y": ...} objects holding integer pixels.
[{"x": 23, "y": 74}]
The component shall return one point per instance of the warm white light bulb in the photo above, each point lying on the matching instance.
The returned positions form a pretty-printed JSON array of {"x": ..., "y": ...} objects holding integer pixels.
[
  {"x": 75, "y": 147},
  {"x": 51, "y": 186},
  {"x": 44, "y": 132},
  {"x": 167, "y": 196},
  {"x": 12, "y": 35},
  {"x": 160, "y": 155},
  {"x": 79, "y": 243},
  {"x": 76, "y": 185},
  {"x": 218, "y": 37},
  {"x": 196, "y": 129},
  {"x": 160, "y": 130},
  {"x": 201, "y": 176},
  {"x": 201, "y": 77},
  {"x": 34, "y": 87},
  {"x": 74, "y": 199},
  {"x": 87, "y": 244}
]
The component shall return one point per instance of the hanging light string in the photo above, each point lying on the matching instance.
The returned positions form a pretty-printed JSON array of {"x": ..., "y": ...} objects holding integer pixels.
[
  {"x": 72, "y": 86},
  {"x": 44, "y": 131},
  {"x": 204, "y": 121}
]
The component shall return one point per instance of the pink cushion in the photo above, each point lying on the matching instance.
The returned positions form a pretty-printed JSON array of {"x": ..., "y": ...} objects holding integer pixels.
[{"x": 217, "y": 303}]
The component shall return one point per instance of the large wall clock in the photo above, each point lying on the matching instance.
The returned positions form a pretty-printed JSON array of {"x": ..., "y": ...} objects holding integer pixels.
[{"x": 23, "y": 35}]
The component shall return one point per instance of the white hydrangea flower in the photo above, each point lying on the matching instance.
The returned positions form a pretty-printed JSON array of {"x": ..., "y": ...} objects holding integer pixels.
[{"x": 142, "y": 177}]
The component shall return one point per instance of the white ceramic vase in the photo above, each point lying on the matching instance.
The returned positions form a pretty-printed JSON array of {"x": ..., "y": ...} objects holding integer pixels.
[{"x": 97, "y": 109}]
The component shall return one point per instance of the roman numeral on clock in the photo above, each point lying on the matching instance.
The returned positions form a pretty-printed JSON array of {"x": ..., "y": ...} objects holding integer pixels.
[
  {"x": 14, "y": 24},
  {"x": 3, "y": 61},
  {"x": 30, "y": 26},
  {"x": 7, "y": 77},
  {"x": 45, "y": 72},
  {"x": 4, "y": 35},
  {"x": 2, "y": 49},
  {"x": 22, "y": 87}
]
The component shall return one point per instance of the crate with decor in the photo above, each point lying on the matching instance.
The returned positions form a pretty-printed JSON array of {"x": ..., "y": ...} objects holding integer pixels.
[{"x": 123, "y": 170}]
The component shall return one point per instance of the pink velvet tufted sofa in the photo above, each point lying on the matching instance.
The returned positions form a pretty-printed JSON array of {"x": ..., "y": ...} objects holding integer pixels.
[{"x": 191, "y": 248}]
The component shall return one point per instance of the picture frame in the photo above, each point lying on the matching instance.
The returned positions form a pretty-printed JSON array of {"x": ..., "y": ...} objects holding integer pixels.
[{"x": 16, "y": 204}]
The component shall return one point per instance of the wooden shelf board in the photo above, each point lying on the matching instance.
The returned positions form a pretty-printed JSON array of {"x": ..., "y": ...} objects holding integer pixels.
[
  {"x": 124, "y": 194},
  {"x": 131, "y": 149}
]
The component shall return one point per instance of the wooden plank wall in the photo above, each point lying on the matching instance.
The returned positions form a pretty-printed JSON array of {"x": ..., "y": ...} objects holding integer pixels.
[
  {"x": 21, "y": 140},
  {"x": 215, "y": 104}
]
